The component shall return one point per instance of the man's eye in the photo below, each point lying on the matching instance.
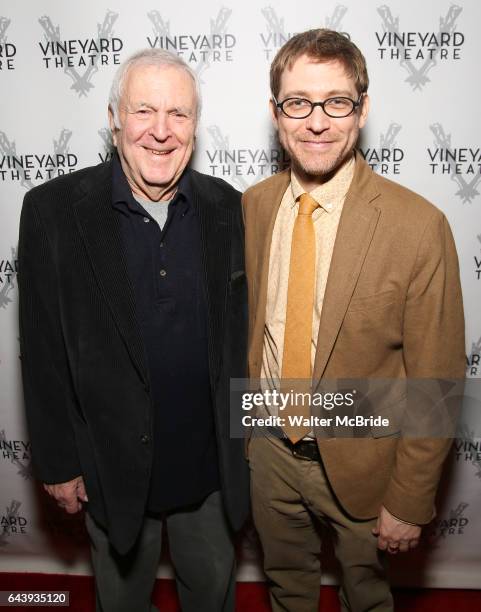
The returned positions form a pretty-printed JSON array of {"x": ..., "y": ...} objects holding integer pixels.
[
  {"x": 297, "y": 103},
  {"x": 338, "y": 102},
  {"x": 179, "y": 114}
]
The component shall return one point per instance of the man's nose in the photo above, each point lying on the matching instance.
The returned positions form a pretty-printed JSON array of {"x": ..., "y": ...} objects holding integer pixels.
[
  {"x": 160, "y": 127},
  {"x": 318, "y": 121}
]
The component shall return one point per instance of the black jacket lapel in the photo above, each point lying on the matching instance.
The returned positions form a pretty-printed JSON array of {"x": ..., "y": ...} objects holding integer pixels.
[
  {"x": 99, "y": 227},
  {"x": 215, "y": 220}
]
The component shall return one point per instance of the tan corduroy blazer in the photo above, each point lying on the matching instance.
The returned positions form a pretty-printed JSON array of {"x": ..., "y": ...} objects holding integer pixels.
[{"x": 392, "y": 309}]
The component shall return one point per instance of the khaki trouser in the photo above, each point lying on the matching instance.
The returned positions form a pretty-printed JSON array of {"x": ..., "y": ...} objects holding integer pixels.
[{"x": 291, "y": 497}]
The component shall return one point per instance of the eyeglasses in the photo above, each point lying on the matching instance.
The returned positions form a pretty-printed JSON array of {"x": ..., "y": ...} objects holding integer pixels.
[{"x": 300, "y": 108}]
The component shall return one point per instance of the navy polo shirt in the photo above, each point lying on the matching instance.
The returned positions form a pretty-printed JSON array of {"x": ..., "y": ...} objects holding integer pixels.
[{"x": 166, "y": 275}]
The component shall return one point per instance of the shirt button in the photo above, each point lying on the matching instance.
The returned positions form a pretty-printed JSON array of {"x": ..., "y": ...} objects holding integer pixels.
[
  {"x": 163, "y": 273},
  {"x": 329, "y": 206},
  {"x": 146, "y": 220},
  {"x": 144, "y": 439}
]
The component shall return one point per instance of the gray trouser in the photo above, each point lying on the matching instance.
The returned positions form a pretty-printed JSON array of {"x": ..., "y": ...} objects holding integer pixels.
[{"x": 201, "y": 550}]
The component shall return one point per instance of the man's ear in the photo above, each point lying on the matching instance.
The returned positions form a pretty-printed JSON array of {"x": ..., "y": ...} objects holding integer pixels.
[
  {"x": 365, "y": 104},
  {"x": 113, "y": 129},
  {"x": 273, "y": 110}
]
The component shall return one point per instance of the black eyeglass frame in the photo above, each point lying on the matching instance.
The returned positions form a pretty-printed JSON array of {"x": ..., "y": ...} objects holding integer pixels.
[{"x": 355, "y": 104}]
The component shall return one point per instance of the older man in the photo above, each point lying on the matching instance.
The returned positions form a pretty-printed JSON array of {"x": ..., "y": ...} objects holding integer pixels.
[
  {"x": 133, "y": 315},
  {"x": 351, "y": 276}
]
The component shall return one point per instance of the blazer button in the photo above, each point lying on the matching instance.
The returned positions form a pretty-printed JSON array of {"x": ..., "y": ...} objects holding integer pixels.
[{"x": 144, "y": 439}]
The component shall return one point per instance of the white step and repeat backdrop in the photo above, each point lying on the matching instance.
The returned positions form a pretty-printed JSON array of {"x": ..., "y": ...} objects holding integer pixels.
[{"x": 56, "y": 63}]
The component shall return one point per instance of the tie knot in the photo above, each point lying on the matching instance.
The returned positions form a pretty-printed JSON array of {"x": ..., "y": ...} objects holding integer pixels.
[{"x": 307, "y": 204}]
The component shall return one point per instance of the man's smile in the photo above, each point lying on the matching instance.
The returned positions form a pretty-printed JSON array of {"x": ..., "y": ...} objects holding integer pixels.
[{"x": 158, "y": 153}]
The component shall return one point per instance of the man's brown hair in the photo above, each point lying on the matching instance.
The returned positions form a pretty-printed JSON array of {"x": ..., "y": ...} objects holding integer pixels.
[{"x": 321, "y": 45}]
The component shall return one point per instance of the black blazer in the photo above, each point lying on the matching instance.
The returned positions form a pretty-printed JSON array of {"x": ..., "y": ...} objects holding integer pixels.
[{"x": 86, "y": 388}]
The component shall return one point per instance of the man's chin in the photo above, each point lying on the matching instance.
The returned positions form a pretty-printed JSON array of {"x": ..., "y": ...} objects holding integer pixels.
[
  {"x": 160, "y": 181},
  {"x": 319, "y": 170},
  {"x": 325, "y": 168}
]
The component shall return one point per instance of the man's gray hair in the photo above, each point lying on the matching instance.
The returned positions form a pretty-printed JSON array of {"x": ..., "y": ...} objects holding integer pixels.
[{"x": 147, "y": 57}]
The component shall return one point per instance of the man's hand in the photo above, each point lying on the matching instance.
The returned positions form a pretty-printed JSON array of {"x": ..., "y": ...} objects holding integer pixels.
[
  {"x": 394, "y": 535},
  {"x": 69, "y": 495}
]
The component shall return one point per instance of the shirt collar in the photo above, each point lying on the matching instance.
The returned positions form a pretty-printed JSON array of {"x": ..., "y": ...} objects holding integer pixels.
[
  {"x": 331, "y": 194},
  {"x": 123, "y": 199}
]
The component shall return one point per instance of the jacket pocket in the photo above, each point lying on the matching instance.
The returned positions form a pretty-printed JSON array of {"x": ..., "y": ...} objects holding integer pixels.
[{"x": 372, "y": 302}]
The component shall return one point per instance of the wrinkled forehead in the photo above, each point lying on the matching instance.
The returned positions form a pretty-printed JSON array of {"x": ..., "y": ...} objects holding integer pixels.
[{"x": 149, "y": 81}]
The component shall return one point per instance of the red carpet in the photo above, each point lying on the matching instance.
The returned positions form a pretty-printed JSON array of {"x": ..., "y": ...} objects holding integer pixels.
[{"x": 251, "y": 597}]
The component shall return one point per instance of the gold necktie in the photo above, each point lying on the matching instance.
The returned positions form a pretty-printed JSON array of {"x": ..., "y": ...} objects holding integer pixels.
[{"x": 296, "y": 360}]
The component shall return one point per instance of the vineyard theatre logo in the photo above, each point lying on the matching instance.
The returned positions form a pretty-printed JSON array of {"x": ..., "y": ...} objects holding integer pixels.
[
  {"x": 461, "y": 164},
  {"x": 275, "y": 34},
  {"x": 80, "y": 58},
  {"x": 454, "y": 524},
  {"x": 41, "y": 166},
  {"x": 468, "y": 449},
  {"x": 387, "y": 158},
  {"x": 473, "y": 363},
  {"x": 245, "y": 166},
  {"x": 8, "y": 50},
  {"x": 12, "y": 523},
  {"x": 8, "y": 273},
  {"x": 419, "y": 52},
  {"x": 108, "y": 145},
  {"x": 200, "y": 49},
  {"x": 477, "y": 260},
  {"x": 17, "y": 452}
]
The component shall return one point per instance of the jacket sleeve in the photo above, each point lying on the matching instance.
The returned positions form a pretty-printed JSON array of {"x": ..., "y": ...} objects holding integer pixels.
[
  {"x": 48, "y": 392},
  {"x": 434, "y": 350}
]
